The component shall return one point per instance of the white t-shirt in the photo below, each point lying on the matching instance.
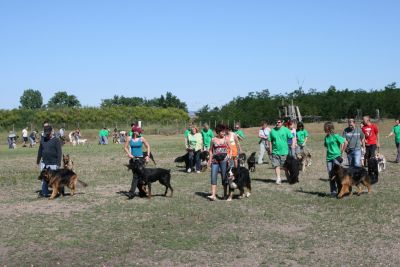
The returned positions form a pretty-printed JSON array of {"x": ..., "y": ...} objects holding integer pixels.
[{"x": 24, "y": 133}]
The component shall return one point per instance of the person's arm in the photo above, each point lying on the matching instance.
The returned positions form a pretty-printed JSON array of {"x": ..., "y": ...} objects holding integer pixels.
[
  {"x": 343, "y": 146},
  {"x": 236, "y": 138},
  {"x": 147, "y": 145},
  {"x": 127, "y": 147},
  {"x": 59, "y": 151},
  {"x": 390, "y": 134},
  {"x": 211, "y": 151},
  {"x": 39, "y": 155}
]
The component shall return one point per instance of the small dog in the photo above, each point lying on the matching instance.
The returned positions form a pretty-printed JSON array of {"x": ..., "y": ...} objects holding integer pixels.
[
  {"x": 346, "y": 178},
  {"x": 147, "y": 176},
  {"x": 381, "y": 162},
  {"x": 292, "y": 167},
  {"x": 68, "y": 163},
  {"x": 242, "y": 159},
  {"x": 82, "y": 141},
  {"x": 239, "y": 178},
  {"x": 304, "y": 159},
  {"x": 251, "y": 162},
  {"x": 57, "y": 179},
  {"x": 204, "y": 158}
]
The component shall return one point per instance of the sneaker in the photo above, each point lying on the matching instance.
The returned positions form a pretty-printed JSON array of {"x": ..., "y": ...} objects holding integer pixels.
[
  {"x": 278, "y": 181},
  {"x": 197, "y": 171},
  {"x": 229, "y": 199},
  {"x": 40, "y": 195},
  {"x": 334, "y": 194},
  {"x": 211, "y": 198},
  {"x": 189, "y": 170},
  {"x": 131, "y": 195}
]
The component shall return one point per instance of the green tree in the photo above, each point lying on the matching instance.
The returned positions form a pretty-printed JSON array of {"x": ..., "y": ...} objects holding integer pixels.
[
  {"x": 62, "y": 99},
  {"x": 31, "y": 99}
]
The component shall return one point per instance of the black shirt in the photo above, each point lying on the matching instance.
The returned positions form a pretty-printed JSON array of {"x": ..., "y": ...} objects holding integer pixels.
[{"x": 50, "y": 151}]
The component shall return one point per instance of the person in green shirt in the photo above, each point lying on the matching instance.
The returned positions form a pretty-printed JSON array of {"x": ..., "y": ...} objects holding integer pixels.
[
  {"x": 396, "y": 132},
  {"x": 193, "y": 147},
  {"x": 238, "y": 132},
  {"x": 335, "y": 144},
  {"x": 278, "y": 147},
  {"x": 302, "y": 137},
  {"x": 207, "y": 135}
]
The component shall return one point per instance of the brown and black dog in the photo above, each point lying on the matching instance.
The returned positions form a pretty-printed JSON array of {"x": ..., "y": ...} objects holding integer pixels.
[
  {"x": 57, "y": 179},
  {"x": 348, "y": 177},
  {"x": 67, "y": 162},
  {"x": 304, "y": 159}
]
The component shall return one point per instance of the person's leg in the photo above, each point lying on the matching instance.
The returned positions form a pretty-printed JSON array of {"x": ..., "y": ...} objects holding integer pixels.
[
  {"x": 332, "y": 183},
  {"x": 197, "y": 160},
  {"x": 191, "y": 159},
  {"x": 356, "y": 158},
  {"x": 350, "y": 158},
  {"x": 223, "y": 167},
  {"x": 398, "y": 152},
  {"x": 134, "y": 184},
  {"x": 214, "y": 173},
  {"x": 261, "y": 153}
]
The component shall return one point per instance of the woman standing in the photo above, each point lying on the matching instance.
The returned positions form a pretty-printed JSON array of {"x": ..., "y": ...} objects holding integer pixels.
[
  {"x": 396, "y": 132},
  {"x": 302, "y": 137},
  {"x": 219, "y": 151},
  {"x": 234, "y": 147},
  {"x": 335, "y": 145},
  {"x": 292, "y": 141},
  {"x": 133, "y": 148},
  {"x": 194, "y": 144}
]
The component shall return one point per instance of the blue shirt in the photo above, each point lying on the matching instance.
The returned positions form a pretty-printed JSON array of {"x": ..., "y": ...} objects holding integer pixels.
[{"x": 136, "y": 147}]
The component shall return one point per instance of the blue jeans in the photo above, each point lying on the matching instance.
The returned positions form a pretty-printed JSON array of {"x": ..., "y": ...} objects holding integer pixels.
[
  {"x": 194, "y": 159},
  {"x": 354, "y": 157},
  {"x": 332, "y": 183},
  {"x": 45, "y": 186},
  {"x": 215, "y": 167}
]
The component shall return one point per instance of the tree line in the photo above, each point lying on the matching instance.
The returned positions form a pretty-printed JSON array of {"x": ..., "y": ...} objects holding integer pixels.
[{"x": 332, "y": 104}]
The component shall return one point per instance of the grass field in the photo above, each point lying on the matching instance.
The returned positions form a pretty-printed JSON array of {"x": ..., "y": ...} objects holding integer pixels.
[{"x": 292, "y": 225}]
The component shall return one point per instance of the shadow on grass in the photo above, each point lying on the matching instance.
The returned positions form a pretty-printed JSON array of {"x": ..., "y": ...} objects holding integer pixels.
[
  {"x": 126, "y": 193},
  {"x": 324, "y": 179},
  {"x": 268, "y": 181},
  {"x": 318, "y": 194}
]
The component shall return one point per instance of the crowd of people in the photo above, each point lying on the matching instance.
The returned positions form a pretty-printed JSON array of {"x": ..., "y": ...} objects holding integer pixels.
[{"x": 284, "y": 139}]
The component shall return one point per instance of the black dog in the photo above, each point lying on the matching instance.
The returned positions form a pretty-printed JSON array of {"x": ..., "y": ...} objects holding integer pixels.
[
  {"x": 239, "y": 178},
  {"x": 204, "y": 158},
  {"x": 251, "y": 162},
  {"x": 185, "y": 159},
  {"x": 292, "y": 167},
  {"x": 147, "y": 176},
  {"x": 242, "y": 159}
]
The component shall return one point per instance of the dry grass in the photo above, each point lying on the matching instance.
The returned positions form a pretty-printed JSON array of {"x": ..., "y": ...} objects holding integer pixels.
[{"x": 278, "y": 225}]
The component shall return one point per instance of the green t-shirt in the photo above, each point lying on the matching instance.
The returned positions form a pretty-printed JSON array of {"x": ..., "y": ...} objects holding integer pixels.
[
  {"x": 239, "y": 133},
  {"x": 102, "y": 132},
  {"x": 186, "y": 133},
  {"x": 301, "y": 136},
  {"x": 207, "y": 136},
  {"x": 332, "y": 143},
  {"x": 396, "y": 131},
  {"x": 279, "y": 139}
]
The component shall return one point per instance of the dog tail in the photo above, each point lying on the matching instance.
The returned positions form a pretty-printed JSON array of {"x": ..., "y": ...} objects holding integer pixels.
[{"x": 82, "y": 183}]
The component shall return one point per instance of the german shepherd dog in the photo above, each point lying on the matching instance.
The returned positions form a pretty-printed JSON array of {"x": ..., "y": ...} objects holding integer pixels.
[
  {"x": 292, "y": 168},
  {"x": 242, "y": 159},
  {"x": 239, "y": 178},
  {"x": 346, "y": 178},
  {"x": 57, "y": 179},
  {"x": 251, "y": 162},
  {"x": 147, "y": 176},
  {"x": 304, "y": 159},
  {"x": 67, "y": 162}
]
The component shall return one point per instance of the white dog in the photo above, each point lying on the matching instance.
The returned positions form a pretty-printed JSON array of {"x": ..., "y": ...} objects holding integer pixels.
[
  {"x": 381, "y": 162},
  {"x": 82, "y": 141}
]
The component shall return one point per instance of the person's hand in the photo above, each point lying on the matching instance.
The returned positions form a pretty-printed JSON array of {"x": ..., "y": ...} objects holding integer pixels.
[
  {"x": 147, "y": 158},
  {"x": 378, "y": 145},
  {"x": 130, "y": 156}
]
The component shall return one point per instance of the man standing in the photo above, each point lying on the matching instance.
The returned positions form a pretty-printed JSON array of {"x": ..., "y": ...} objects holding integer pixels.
[
  {"x": 263, "y": 134},
  {"x": 355, "y": 138},
  {"x": 278, "y": 147},
  {"x": 238, "y": 132},
  {"x": 396, "y": 132},
  {"x": 25, "y": 136},
  {"x": 49, "y": 155},
  {"x": 207, "y": 135},
  {"x": 371, "y": 133}
]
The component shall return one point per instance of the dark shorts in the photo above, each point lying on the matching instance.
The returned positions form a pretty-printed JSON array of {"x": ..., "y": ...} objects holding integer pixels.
[{"x": 278, "y": 160}]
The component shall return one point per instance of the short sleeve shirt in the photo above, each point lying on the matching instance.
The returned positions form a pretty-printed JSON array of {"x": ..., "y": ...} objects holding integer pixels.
[
  {"x": 279, "y": 139},
  {"x": 332, "y": 144},
  {"x": 371, "y": 133}
]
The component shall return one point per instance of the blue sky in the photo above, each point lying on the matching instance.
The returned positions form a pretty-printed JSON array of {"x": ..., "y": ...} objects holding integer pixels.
[{"x": 204, "y": 52}]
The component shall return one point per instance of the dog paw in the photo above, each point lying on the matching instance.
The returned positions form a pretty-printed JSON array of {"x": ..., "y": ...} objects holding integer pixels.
[{"x": 248, "y": 194}]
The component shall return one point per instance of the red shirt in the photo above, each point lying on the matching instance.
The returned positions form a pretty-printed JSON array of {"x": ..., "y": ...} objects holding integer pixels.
[{"x": 371, "y": 133}]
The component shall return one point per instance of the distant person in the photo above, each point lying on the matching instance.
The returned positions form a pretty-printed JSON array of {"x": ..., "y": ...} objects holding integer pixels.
[
  {"x": 263, "y": 134},
  {"x": 396, "y": 132},
  {"x": 335, "y": 145},
  {"x": 278, "y": 147},
  {"x": 32, "y": 138},
  {"x": 234, "y": 147},
  {"x": 302, "y": 137},
  {"x": 292, "y": 141},
  {"x": 49, "y": 155},
  {"x": 134, "y": 150},
  {"x": 356, "y": 141},
  {"x": 187, "y": 132},
  {"x": 207, "y": 135},
  {"x": 239, "y": 132},
  {"x": 193, "y": 147},
  {"x": 218, "y": 161},
  {"x": 24, "y": 136},
  {"x": 371, "y": 133},
  {"x": 103, "y": 136}
]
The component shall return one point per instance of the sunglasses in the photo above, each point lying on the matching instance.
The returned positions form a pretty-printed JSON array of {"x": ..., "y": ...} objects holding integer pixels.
[{"x": 278, "y": 122}]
